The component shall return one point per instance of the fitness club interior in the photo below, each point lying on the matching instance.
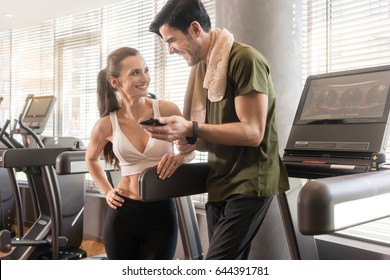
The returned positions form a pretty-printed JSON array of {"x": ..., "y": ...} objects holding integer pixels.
[{"x": 331, "y": 71}]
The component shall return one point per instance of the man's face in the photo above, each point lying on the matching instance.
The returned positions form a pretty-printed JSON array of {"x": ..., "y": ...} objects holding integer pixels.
[{"x": 182, "y": 44}]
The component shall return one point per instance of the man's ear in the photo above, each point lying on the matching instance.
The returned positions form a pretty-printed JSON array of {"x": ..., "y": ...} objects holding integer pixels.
[{"x": 195, "y": 29}]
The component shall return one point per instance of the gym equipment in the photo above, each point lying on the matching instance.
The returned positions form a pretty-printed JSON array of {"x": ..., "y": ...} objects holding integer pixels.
[
  {"x": 7, "y": 209},
  {"x": 57, "y": 202},
  {"x": 340, "y": 126},
  {"x": 331, "y": 204},
  {"x": 47, "y": 228},
  {"x": 338, "y": 141},
  {"x": 188, "y": 179}
]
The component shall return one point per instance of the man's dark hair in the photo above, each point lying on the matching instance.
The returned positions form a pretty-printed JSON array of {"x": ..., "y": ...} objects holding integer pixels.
[{"x": 179, "y": 14}]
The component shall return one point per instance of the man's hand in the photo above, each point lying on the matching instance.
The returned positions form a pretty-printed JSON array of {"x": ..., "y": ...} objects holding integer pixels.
[{"x": 175, "y": 128}]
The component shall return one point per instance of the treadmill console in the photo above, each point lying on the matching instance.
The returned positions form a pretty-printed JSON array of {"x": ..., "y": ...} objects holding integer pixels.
[
  {"x": 38, "y": 111},
  {"x": 341, "y": 123}
]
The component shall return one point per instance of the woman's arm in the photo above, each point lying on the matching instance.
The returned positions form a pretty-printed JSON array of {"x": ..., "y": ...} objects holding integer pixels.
[{"x": 100, "y": 135}]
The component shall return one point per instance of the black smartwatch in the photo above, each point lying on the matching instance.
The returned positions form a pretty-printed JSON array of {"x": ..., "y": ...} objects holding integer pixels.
[{"x": 195, "y": 130}]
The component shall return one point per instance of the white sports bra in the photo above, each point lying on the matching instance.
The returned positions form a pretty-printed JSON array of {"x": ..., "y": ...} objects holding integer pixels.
[{"x": 130, "y": 159}]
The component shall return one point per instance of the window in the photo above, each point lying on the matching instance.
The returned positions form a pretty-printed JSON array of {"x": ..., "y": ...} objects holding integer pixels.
[
  {"x": 77, "y": 62},
  {"x": 27, "y": 55},
  {"x": 342, "y": 35},
  {"x": 62, "y": 57},
  {"x": 345, "y": 34}
]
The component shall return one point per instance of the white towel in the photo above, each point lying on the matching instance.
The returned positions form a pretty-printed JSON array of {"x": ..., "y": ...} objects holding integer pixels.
[{"x": 208, "y": 81}]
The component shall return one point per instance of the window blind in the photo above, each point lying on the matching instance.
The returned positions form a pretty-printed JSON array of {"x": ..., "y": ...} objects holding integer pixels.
[
  {"x": 29, "y": 62},
  {"x": 345, "y": 34},
  {"x": 126, "y": 24},
  {"x": 63, "y": 56},
  {"x": 77, "y": 62}
]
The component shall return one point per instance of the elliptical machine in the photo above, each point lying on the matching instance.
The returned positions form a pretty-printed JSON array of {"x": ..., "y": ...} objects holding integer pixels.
[
  {"x": 57, "y": 203},
  {"x": 7, "y": 202}
]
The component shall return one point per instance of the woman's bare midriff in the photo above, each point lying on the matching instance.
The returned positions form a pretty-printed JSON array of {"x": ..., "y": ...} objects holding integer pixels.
[{"x": 129, "y": 186}]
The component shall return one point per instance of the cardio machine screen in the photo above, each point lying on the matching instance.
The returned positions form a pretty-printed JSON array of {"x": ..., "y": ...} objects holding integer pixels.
[
  {"x": 39, "y": 106},
  {"x": 360, "y": 97}
]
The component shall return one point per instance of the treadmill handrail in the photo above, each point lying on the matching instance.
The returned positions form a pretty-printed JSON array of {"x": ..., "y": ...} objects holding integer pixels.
[
  {"x": 321, "y": 201},
  {"x": 73, "y": 162},
  {"x": 26, "y": 157},
  {"x": 188, "y": 179}
]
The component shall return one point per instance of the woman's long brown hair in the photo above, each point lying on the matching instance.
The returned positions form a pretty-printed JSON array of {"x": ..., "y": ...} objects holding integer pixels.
[{"x": 107, "y": 97}]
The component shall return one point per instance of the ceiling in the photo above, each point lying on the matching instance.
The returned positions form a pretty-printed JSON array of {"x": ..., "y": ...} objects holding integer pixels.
[{"x": 31, "y": 12}]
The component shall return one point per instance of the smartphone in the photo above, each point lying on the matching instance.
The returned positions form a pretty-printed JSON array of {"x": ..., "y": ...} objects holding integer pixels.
[{"x": 151, "y": 121}]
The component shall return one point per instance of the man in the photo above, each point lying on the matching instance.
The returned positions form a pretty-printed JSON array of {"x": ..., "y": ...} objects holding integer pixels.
[{"x": 230, "y": 101}]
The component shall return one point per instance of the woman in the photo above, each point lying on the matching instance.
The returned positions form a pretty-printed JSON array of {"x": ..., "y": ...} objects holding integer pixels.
[{"x": 133, "y": 229}]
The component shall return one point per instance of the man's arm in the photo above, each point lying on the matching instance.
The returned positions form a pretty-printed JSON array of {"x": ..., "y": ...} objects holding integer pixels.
[{"x": 251, "y": 110}]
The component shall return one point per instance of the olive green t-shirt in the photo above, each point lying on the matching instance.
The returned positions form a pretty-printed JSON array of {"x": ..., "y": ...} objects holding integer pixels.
[{"x": 253, "y": 171}]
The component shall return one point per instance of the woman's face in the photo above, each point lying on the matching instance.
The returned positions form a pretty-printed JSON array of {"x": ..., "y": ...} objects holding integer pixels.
[{"x": 133, "y": 78}]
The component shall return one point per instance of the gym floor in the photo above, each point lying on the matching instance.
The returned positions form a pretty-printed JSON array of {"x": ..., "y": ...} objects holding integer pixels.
[{"x": 92, "y": 248}]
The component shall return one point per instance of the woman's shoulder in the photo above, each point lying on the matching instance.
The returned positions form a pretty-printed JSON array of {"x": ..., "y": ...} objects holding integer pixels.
[
  {"x": 103, "y": 125},
  {"x": 105, "y": 119},
  {"x": 168, "y": 108}
]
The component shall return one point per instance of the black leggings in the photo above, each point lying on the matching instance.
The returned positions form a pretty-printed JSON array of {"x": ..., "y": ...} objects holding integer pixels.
[{"x": 141, "y": 231}]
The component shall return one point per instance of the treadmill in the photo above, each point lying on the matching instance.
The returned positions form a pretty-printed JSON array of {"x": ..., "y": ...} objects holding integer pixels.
[
  {"x": 337, "y": 145},
  {"x": 341, "y": 125}
]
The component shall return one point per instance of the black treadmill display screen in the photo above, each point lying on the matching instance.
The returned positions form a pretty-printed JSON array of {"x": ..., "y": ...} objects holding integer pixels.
[{"x": 354, "y": 98}]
